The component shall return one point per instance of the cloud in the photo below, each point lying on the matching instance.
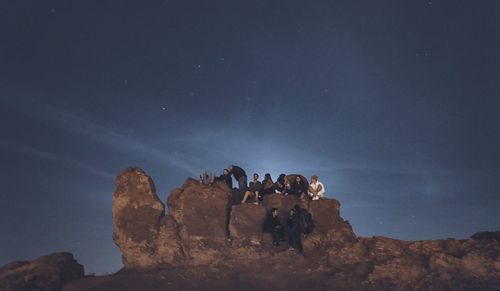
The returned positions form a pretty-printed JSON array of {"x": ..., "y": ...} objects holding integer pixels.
[
  {"x": 87, "y": 128},
  {"x": 54, "y": 158}
]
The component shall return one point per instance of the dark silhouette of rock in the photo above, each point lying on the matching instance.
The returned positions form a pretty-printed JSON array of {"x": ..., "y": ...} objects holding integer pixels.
[
  {"x": 47, "y": 273},
  {"x": 208, "y": 244},
  {"x": 486, "y": 235}
]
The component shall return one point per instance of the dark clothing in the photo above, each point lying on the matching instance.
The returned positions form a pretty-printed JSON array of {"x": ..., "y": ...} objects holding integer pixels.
[
  {"x": 242, "y": 185},
  {"x": 298, "y": 188},
  {"x": 238, "y": 172},
  {"x": 294, "y": 232},
  {"x": 267, "y": 187},
  {"x": 273, "y": 225},
  {"x": 255, "y": 186},
  {"x": 227, "y": 179}
]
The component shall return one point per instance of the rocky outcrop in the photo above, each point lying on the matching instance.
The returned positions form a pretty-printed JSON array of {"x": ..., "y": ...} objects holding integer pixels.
[
  {"x": 47, "y": 273},
  {"x": 203, "y": 229}
]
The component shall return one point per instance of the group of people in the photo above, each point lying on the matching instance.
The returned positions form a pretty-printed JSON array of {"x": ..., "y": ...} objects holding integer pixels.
[
  {"x": 256, "y": 190},
  {"x": 298, "y": 222}
]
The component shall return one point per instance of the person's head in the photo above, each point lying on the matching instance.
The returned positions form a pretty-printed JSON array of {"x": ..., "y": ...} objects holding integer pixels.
[
  {"x": 255, "y": 177},
  {"x": 292, "y": 212},
  {"x": 298, "y": 179},
  {"x": 314, "y": 178},
  {"x": 274, "y": 211},
  {"x": 267, "y": 176},
  {"x": 225, "y": 172},
  {"x": 230, "y": 167},
  {"x": 296, "y": 208}
]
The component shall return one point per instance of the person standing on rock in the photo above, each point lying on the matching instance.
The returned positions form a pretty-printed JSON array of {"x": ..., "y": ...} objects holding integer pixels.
[
  {"x": 316, "y": 189},
  {"x": 240, "y": 176},
  {"x": 276, "y": 226},
  {"x": 294, "y": 230}
]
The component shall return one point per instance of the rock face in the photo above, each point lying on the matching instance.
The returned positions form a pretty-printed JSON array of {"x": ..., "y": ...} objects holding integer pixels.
[
  {"x": 47, "y": 273},
  {"x": 203, "y": 230}
]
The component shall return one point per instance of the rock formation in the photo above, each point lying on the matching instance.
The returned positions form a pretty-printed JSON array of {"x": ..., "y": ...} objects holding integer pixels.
[
  {"x": 47, "y": 273},
  {"x": 202, "y": 228}
]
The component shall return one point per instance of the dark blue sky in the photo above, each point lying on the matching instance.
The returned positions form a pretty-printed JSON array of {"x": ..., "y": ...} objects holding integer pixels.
[{"x": 393, "y": 104}]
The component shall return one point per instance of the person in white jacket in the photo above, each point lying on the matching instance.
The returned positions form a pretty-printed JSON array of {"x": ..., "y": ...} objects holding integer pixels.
[{"x": 316, "y": 188}]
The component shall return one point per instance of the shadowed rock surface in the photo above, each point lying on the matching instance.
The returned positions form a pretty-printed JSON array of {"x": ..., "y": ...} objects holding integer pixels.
[{"x": 47, "y": 273}]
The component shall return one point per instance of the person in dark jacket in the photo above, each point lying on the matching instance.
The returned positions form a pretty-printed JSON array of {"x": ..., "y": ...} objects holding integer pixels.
[
  {"x": 226, "y": 178},
  {"x": 294, "y": 231},
  {"x": 267, "y": 186},
  {"x": 240, "y": 176},
  {"x": 299, "y": 188},
  {"x": 273, "y": 225},
  {"x": 253, "y": 190}
]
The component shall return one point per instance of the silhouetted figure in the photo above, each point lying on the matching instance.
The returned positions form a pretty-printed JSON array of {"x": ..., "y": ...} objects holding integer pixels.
[
  {"x": 294, "y": 231},
  {"x": 267, "y": 186},
  {"x": 226, "y": 178},
  {"x": 299, "y": 188},
  {"x": 240, "y": 176},
  {"x": 274, "y": 226}
]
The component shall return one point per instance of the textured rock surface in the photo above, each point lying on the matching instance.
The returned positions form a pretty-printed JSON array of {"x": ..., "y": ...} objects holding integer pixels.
[
  {"x": 47, "y": 273},
  {"x": 203, "y": 231}
]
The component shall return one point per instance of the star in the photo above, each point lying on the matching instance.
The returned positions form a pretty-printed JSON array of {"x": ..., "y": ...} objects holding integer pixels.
[{"x": 164, "y": 108}]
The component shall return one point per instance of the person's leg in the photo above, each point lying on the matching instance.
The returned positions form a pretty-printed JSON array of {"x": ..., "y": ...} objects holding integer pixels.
[
  {"x": 245, "y": 197},
  {"x": 242, "y": 185},
  {"x": 256, "y": 198},
  {"x": 275, "y": 236}
]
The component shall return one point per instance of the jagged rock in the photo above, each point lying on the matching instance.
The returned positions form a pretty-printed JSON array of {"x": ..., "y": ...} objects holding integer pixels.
[
  {"x": 137, "y": 213},
  {"x": 47, "y": 273},
  {"x": 200, "y": 221}
]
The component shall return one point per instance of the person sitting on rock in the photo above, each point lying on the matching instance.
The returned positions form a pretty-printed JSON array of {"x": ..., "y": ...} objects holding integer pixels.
[
  {"x": 226, "y": 178},
  {"x": 299, "y": 188},
  {"x": 240, "y": 176},
  {"x": 294, "y": 231},
  {"x": 253, "y": 190},
  {"x": 277, "y": 228},
  {"x": 267, "y": 186},
  {"x": 316, "y": 189},
  {"x": 282, "y": 186}
]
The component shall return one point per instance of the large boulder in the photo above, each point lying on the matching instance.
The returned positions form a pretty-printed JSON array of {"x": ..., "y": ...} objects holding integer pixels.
[
  {"x": 246, "y": 223},
  {"x": 137, "y": 212},
  {"x": 47, "y": 273},
  {"x": 138, "y": 217}
]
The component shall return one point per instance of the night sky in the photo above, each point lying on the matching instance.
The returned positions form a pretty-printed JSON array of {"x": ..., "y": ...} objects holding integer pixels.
[{"x": 393, "y": 104}]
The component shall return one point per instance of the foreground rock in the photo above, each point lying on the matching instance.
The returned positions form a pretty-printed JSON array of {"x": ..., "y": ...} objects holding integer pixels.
[
  {"x": 203, "y": 231},
  {"x": 47, "y": 273}
]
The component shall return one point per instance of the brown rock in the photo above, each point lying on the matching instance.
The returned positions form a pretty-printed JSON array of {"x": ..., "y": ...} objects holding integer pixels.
[
  {"x": 246, "y": 223},
  {"x": 47, "y": 273},
  {"x": 194, "y": 234},
  {"x": 328, "y": 223},
  {"x": 137, "y": 213}
]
